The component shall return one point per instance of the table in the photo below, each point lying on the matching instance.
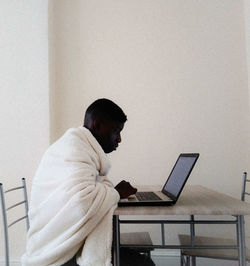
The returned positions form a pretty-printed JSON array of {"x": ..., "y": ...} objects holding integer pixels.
[{"x": 194, "y": 200}]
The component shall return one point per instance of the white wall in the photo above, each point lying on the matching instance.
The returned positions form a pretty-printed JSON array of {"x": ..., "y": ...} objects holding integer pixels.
[
  {"x": 247, "y": 34},
  {"x": 179, "y": 71},
  {"x": 247, "y": 37},
  {"x": 24, "y": 113}
]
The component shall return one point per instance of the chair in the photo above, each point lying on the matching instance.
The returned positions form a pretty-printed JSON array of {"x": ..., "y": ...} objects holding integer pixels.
[
  {"x": 138, "y": 238},
  {"x": 5, "y": 210},
  {"x": 188, "y": 256}
]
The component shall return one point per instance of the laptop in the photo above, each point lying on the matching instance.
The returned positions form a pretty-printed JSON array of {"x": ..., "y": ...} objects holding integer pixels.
[{"x": 171, "y": 189}]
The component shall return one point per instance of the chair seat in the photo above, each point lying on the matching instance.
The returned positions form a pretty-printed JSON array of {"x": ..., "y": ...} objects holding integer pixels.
[
  {"x": 230, "y": 254},
  {"x": 137, "y": 238}
]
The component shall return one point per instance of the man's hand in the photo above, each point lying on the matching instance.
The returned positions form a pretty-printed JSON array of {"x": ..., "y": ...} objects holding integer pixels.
[{"x": 125, "y": 189}]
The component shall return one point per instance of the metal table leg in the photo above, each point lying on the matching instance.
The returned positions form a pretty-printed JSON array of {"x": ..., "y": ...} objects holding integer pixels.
[
  {"x": 192, "y": 233},
  {"x": 116, "y": 240},
  {"x": 241, "y": 240}
]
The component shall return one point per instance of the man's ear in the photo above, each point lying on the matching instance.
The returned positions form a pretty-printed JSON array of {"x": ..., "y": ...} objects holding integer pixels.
[{"x": 96, "y": 124}]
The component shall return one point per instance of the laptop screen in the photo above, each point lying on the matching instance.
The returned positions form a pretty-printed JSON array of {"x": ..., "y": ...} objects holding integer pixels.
[{"x": 179, "y": 175}]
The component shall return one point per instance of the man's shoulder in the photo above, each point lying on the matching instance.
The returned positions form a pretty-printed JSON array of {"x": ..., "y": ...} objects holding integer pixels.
[{"x": 73, "y": 137}]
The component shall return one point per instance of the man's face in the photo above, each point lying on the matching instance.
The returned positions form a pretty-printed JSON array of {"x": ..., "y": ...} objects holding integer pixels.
[{"x": 109, "y": 135}]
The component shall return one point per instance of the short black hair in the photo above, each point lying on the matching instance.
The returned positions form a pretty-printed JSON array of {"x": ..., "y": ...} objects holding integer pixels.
[{"x": 106, "y": 110}]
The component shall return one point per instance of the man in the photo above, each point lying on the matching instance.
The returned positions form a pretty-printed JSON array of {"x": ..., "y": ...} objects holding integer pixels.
[{"x": 72, "y": 200}]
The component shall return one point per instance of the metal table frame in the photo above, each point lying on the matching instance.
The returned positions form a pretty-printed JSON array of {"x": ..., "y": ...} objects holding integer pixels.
[{"x": 238, "y": 221}]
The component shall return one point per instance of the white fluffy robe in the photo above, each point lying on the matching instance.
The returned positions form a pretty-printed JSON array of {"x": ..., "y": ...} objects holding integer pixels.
[{"x": 72, "y": 203}]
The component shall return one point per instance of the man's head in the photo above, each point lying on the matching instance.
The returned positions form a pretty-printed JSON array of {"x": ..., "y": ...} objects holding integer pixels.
[{"x": 105, "y": 120}]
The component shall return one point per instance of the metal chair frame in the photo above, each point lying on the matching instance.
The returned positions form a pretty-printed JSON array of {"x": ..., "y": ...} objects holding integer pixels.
[
  {"x": 5, "y": 210},
  {"x": 186, "y": 259}
]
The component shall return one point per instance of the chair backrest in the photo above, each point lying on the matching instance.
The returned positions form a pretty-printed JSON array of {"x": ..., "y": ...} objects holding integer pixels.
[
  {"x": 6, "y": 225},
  {"x": 243, "y": 191}
]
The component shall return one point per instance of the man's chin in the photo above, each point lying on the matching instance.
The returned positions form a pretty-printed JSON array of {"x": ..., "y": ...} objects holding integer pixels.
[
  {"x": 110, "y": 150},
  {"x": 113, "y": 149}
]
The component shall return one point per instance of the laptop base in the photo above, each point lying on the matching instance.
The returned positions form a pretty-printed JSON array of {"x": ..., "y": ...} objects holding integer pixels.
[{"x": 145, "y": 203}]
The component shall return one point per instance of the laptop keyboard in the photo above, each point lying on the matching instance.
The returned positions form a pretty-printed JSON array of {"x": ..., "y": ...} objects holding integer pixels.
[{"x": 147, "y": 196}]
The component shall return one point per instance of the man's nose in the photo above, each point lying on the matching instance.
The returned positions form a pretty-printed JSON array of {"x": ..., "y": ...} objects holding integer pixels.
[{"x": 119, "y": 139}]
